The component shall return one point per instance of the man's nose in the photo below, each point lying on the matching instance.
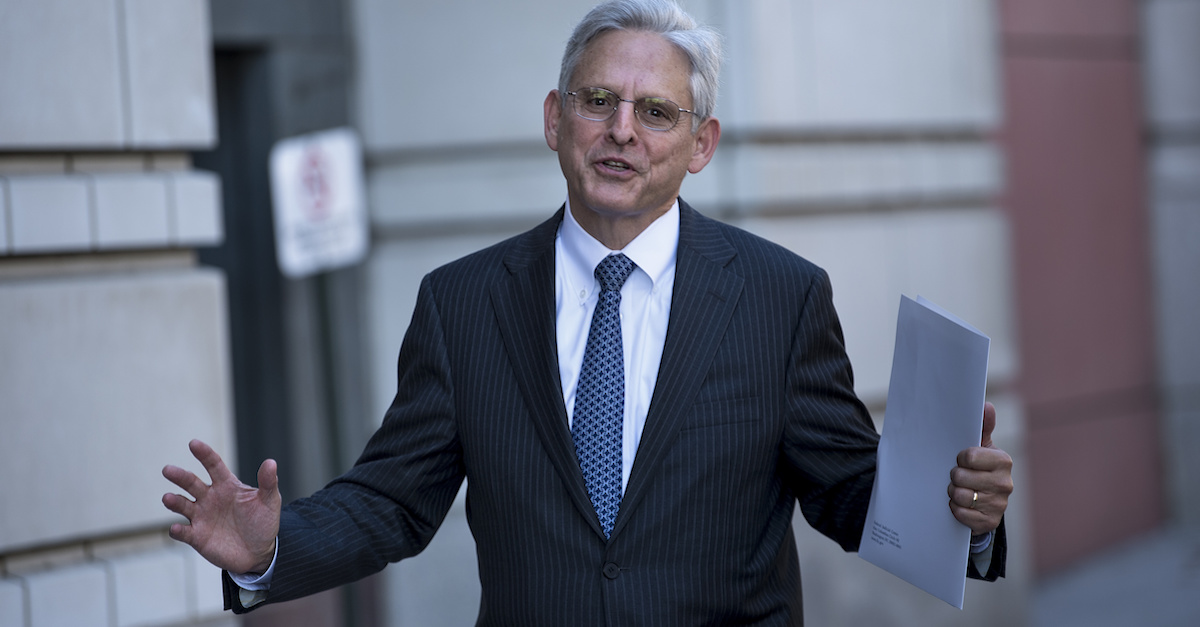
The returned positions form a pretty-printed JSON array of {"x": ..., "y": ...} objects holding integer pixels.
[{"x": 623, "y": 123}]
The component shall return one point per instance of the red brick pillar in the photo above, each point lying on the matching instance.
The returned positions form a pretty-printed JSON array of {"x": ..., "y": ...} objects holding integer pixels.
[{"x": 1076, "y": 196}]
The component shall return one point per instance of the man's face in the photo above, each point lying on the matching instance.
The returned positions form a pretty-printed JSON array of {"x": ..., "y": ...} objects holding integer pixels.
[{"x": 619, "y": 173}]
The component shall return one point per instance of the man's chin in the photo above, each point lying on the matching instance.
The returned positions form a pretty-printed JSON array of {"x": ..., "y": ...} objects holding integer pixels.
[{"x": 615, "y": 211}]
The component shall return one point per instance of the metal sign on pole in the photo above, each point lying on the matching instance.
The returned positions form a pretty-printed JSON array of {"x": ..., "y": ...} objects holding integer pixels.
[{"x": 320, "y": 213}]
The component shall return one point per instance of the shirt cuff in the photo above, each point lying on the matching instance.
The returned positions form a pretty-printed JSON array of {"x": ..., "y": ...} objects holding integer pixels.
[
  {"x": 979, "y": 544},
  {"x": 253, "y": 587},
  {"x": 981, "y": 551}
]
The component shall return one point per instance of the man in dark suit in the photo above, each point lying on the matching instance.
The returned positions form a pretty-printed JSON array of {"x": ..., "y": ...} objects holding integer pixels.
[{"x": 638, "y": 395}]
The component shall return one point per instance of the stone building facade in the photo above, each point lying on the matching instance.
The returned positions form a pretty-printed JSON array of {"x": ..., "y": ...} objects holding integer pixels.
[
  {"x": 113, "y": 339},
  {"x": 1030, "y": 165}
]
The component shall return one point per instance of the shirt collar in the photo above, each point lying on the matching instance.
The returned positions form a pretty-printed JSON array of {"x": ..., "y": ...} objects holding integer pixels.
[{"x": 653, "y": 250}]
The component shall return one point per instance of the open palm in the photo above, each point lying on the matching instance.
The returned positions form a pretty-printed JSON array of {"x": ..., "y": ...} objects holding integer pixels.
[{"x": 232, "y": 525}]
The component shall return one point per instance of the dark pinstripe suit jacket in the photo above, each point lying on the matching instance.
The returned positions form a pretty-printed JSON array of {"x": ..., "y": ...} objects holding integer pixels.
[{"x": 753, "y": 411}]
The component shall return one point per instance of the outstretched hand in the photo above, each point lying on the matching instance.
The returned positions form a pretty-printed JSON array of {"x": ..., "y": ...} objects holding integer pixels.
[
  {"x": 232, "y": 525},
  {"x": 982, "y": 481}
]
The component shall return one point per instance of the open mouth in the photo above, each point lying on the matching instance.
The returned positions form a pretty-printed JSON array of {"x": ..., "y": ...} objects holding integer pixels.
[{"x": 616, "y": 165}]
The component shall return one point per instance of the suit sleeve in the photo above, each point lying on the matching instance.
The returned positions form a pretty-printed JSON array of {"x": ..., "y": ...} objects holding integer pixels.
[
  {"x": 389, "y": 505},
  {"x": 830, "y": 440}
]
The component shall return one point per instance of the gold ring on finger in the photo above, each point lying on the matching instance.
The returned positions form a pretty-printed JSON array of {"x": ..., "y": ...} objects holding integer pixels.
[{"x": 974, "y": 499}]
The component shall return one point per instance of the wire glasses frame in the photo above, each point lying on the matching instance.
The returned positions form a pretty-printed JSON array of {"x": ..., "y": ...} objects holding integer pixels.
[{"x": 599, "y": 104}]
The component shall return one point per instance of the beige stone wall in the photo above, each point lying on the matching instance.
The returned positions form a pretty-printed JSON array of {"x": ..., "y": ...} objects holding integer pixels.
[{"x": 113, "y": 343}]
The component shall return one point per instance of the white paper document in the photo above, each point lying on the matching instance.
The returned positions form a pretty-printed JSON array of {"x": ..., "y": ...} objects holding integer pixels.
[{"x": 934, "y": 410}]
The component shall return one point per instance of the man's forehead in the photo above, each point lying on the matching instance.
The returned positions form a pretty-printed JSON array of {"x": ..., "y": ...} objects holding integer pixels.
[{"x": 647, "y": 58}]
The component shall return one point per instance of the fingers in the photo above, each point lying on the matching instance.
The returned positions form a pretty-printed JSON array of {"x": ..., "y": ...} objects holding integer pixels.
[
  {"x": 181, "y": 532},
  {"x": 994, "y": 479},
  {"x": 179, "y": 505},
  {"x": 268, "y": 476},
  {"x": 217, "y": 470},
  {"x": 984, "y": 459},
  {"x": 212, "y": 462},
  {"x": 979, "y": 488},
  {"x": 186, "y": 480},
  {"x": 976, "y": 510},
  {"x": 967, "y": 498},
  {"x": 182, "y": 506},
  {"x": 982, "y": 481},
  {"x": 193, "y": 485},
  {"x": 989, "y": 425}
]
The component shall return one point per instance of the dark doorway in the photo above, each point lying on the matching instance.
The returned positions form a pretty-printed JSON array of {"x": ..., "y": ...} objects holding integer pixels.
[{"x": 247, "y": 256}]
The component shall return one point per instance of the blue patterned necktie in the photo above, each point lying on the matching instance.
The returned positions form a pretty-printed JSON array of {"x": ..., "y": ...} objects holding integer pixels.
[{"x": 600, "y": 396}]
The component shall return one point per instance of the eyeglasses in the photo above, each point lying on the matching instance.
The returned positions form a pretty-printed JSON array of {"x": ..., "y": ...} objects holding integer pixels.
[{"x": 597, "y": 104}]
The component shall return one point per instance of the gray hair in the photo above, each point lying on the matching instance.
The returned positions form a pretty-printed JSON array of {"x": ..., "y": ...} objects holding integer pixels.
[{"x": 701, "y": 44}]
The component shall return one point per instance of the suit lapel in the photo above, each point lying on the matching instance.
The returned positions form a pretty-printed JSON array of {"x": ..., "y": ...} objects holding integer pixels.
[
  {"x": 702, "y": 302},
  {"x": 524, "y": 306}
]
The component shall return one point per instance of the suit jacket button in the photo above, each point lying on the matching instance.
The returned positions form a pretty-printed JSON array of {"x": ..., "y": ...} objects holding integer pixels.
[{"x": 611, "y": 570}]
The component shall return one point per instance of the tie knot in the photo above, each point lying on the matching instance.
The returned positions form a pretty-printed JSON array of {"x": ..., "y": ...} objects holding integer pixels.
[{"x": 613, "y": 270}]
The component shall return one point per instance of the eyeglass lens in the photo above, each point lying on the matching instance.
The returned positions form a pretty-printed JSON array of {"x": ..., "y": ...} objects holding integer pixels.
[{"x": 597, "y": 104}]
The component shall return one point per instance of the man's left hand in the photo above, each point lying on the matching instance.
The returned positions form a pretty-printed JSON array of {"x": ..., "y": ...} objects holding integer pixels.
[{"x": 982, "y": 481}]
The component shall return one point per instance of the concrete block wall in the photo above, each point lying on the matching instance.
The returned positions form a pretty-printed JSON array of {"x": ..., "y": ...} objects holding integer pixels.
[
  {"x": 858, "y": 134},
  {"x": 106, "y": 376},
  {"x": 145, "y": 581},
  {"x": 113, "y": 342},
  {"x": 854, "y": 66},
  {"x": 107, "y": 74},
  {"x": 111, "y": 362},
  {"x": 78, "y": 212}
]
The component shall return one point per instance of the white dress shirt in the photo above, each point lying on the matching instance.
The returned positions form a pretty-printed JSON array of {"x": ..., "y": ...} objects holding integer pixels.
[{"x": 645, "y": 311}]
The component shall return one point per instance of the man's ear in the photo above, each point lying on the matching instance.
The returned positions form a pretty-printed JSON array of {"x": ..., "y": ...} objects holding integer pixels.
[
  {"x": 552, "y": 110},
  {"x": 707, "y": 138}
]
